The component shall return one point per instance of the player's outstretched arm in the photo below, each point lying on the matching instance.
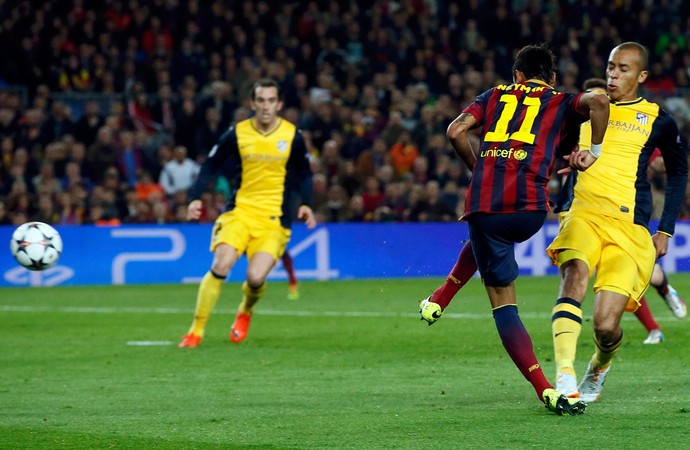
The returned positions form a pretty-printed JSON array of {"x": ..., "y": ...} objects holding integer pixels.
[{"x": 598, "y": 108}]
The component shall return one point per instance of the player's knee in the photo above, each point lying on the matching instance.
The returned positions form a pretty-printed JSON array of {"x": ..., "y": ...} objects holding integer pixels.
[
  {"x": 607, "y": 333},
  {"x": 255, "y": 278},
  {"x": 221, "y": 268}
]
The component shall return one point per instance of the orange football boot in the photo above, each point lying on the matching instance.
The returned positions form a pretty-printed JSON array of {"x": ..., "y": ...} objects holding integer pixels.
[
  {"x": 240, "y": 328},
  {"x": 190, "y": 341}
]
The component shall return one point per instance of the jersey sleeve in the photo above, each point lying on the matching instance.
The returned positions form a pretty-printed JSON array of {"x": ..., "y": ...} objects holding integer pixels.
[
  {"x": 299, "y": 170},
  {"x": 674, "y": 152},
  {"x": 224, "y": 155},
  {"x": 478, "y": 107}
]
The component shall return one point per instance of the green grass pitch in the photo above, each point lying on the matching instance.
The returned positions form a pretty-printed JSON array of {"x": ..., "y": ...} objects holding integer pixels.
[{"x": 348, "y": 365}]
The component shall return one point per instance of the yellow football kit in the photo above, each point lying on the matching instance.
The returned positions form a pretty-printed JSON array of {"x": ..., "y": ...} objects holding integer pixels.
[
  {"x": 606, "y": 222},
  {"x": 266, "y": 169}
]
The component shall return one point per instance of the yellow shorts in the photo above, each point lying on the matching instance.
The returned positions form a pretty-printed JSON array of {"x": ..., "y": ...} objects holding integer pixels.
[
  {"x": 621, "y": 252},
  {"x": 250, "y": 235}
]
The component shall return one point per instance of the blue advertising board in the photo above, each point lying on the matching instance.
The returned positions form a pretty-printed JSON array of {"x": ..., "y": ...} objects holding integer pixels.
[{"x": 145, "y": 254}]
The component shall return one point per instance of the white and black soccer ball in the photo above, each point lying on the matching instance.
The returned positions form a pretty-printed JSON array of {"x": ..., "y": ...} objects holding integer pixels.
[{"x": 36, "y": 245}]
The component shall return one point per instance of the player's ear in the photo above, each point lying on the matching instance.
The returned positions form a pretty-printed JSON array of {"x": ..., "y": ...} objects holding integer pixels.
[
  {"x": 642, "y": 76},
  {"x": 552, "y": 81},
  {"x": 518, "y": 76}
]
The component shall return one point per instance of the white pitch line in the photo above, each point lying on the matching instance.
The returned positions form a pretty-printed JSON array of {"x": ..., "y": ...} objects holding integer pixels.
[
  {"x": 139, "y": 310},
  {"x": 149, "y": 343}
]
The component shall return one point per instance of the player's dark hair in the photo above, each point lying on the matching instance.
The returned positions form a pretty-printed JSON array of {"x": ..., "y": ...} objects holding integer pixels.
[
  {"x": 536, "y": 61},
  {"x": 594, "y": 83},
  {"x": 641, "y": 50},
  {"x": 264, "y": 83}
]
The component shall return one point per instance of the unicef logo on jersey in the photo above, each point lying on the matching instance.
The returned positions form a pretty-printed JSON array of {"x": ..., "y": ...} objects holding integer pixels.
[
  {"x": 282, "y": 146},
  {"x": 518, "y": 154}
]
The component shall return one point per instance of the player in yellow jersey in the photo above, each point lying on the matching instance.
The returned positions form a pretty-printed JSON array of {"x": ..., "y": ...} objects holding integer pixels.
[
  {"x": 605, "y": 228},
  {"x": 268, "y": 157},
  {"x": 659, "y": 281}
]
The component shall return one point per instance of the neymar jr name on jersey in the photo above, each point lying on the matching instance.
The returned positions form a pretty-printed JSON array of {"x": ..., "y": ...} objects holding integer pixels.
[{"x": 524, "y": 88}]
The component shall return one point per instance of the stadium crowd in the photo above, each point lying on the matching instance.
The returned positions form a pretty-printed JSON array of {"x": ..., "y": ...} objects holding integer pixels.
[{"x": 107, "y": 108}]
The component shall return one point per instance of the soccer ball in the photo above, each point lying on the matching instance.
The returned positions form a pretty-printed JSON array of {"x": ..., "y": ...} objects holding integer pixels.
[{"x": 36, "y": 245}]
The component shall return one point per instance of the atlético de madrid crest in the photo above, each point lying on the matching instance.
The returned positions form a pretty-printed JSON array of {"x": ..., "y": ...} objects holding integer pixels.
[
  {"x": 282, "y": 146},
  {"x": 642, "y": 118}
]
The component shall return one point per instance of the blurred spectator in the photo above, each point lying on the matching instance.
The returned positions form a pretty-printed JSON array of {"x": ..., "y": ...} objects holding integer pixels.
[
  {"x": 221, "y": 99},
  {"x": 208, "y": 133},
  {"x": 394, "y": 204},
  {"x": 57, "y": 124},
  {"x": 335, "y": 207},
  {"x": 393, "y": 129},
  {"x": 71, "y": 209},
  {"x": 187, "y": 122},
  {"x": 372, "y": 159},
  {"x": 147, "y": 189},
  {"x": 430, "y": 208},
  {"x": 45, "y": 211},
  {"x": 180, "y": 173},
  {"x": 324, "y": 124},
  {"x": 140, "y": 112},
  {"x": 30, "y": 125},
  {"x": 86, "y": 128},
  {"x": 46, "y": 182},
  {"x": 372, "y": 195},
  {"x": 163, "y": 109},
  {"x": 74, "y": 76},
  {"x": 4, "y": 216},
  {"x": 330, "y": 158},
  {"x": 320, "y": 191},
  {"x": 130, "y": 158},
  {"x": 403, "y": 154},
  {"x": 9, "y": 126},
  {"x": 74, "y": 177}
]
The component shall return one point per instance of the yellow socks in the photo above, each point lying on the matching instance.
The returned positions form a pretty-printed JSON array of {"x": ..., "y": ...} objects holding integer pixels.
[
  {"x": 207, "y": 296},
  {"x": 604, "y": 354},
  {"x": 250, "y": 296},
  {"x": 566, "y": 324}
]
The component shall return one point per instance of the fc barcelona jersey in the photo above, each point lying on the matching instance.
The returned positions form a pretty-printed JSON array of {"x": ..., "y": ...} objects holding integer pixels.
[
  {"x": 522, "y": 126},
  {"x": 264, "y": 168}
]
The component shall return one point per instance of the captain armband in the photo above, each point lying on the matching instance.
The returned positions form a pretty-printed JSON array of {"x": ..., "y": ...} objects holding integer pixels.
[{"x": 595, "y": 150}]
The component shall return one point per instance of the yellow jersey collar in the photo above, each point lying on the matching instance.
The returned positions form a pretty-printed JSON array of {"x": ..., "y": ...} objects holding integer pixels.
[{"x": 534, "y": 80}]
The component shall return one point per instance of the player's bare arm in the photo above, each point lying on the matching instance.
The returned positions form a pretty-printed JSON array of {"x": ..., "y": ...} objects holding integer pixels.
[
  {"x": 459, "y": 138},
  {"x": 660, "y": 241},
  {"x": 595, "y": 105}
]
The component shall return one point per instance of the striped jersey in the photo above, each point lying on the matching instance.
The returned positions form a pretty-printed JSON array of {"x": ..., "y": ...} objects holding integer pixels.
[
  {"x": 616, "y": 185},
  {"x": 265, "y": 169},
  {"x": 522, "y": 126}
]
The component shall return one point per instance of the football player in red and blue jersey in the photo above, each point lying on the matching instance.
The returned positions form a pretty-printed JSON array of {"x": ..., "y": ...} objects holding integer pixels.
[{"x": 521, "y": 127}]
